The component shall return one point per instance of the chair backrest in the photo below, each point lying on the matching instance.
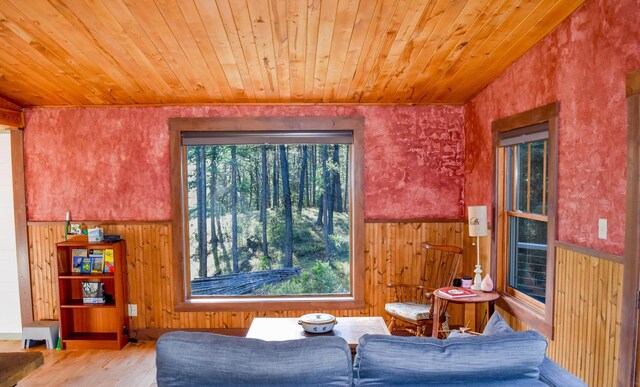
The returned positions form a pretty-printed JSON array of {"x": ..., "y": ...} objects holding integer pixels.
[{"x": 440, "y": 266}]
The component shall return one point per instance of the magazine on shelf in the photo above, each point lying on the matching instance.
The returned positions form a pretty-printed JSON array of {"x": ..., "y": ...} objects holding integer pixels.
[
  {"x": 78, "y": 255},
  {"x": 109, "y": 261},
  {"x": 85, "y": 267},
  {"x": 93, "y": 293},
  {"x": 97, "y": 261},
  {"x": 456, "y": 292}
]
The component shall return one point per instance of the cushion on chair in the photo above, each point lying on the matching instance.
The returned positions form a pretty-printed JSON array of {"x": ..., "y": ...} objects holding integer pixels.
[
  {"x": 510, "y": 359},
  {"x": 203, "y": 359},
  {"x": 409, "y": 310}
]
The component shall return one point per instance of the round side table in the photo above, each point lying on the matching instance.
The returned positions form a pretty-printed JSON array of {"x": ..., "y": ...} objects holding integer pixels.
[{"x": 488, "y": 297}]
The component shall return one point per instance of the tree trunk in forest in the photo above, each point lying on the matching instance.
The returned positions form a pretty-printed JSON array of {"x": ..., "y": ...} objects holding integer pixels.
[
  {"x": 263, "y": 207},
  {"x": 337, "y": 188},
  {"x": 328, "y": 193},
  {"x": 234, "y": 209},
  {"x": 308, "y": 186},
  {"x": 288, "y": 218},
  {"x": 326, "y": 203},
  {"x": 320, "y": 211},
  {"x": 225, "y": 253},
  {"x": 201, "y": 192},
  {"x": 275, "y": 179},
  {"x": 314, "y": 165},
  {"x": 258, "y": 186},
  {"x": 346, "y": 182},
  {"x": 212, "y": 205},
  {"x": 303, "y": 175}
]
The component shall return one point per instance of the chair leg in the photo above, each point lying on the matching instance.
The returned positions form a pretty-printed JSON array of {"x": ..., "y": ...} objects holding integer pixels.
[{"x": 392, "y": 324}]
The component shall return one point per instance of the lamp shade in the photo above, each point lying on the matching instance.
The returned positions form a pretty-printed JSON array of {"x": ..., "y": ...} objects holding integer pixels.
[{"x": 477, "y": 221}]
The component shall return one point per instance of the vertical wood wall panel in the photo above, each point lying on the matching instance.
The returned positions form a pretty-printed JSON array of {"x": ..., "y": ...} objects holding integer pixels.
[
  {"x": 587, "y": 317},
  {"x": 392, "y": 254}
]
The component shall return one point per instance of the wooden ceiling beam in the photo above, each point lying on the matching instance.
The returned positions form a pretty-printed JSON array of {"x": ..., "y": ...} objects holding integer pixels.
[{"x": 11, "y": 116}]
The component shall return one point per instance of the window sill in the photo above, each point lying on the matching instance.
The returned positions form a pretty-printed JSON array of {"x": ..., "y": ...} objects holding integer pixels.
[
  {"x": 522, "y": 311},
  {"x": 268, "y": 304}
]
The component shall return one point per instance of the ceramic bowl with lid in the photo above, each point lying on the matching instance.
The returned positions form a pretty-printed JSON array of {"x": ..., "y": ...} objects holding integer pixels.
[{"x": 317, "y": 322}]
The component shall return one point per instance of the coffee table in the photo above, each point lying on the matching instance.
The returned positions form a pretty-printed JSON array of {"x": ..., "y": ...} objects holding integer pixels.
[{"x": 349, "y": 328}]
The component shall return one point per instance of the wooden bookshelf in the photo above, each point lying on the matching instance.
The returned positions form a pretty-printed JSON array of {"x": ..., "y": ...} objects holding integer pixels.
[{"x": 86, "y": 325}]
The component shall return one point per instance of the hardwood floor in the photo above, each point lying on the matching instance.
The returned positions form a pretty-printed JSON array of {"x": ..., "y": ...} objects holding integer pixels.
[{"x": 134, "y": 365}]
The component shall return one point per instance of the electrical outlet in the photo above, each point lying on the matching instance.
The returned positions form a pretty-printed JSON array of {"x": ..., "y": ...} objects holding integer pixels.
[
  {"x": 133, "y": 310},
  {"x": 602, "y": 228}
]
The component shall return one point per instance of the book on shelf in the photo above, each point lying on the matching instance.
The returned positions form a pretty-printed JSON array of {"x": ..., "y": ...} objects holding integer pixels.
[
  {"x": 93, "y": 293},
  {"x": 85, "y": 267},
  {"x": 78, "y": 255},
  {"x": 109, "y": 261},
  {"x": 456, "y": 292},
  {"x": 97, "y": 260}
]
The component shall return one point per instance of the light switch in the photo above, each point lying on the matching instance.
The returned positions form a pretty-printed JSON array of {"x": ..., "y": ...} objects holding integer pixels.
[
  {"x": 602, "y": 228},
  {"x": 133, "y": 310}
]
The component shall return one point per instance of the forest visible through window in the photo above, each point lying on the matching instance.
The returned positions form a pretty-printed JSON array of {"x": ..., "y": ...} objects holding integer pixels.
[
  {"x": 268, "y": 220},
  {"x": 527, "y": 198}
]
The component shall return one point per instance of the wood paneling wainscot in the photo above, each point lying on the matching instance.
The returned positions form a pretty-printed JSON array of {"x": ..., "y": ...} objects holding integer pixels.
[
  {"x": 587, "y": 317},
  {"x": 392, "y": 250}
]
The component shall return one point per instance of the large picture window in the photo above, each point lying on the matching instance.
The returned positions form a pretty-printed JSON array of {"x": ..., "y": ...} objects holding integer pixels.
[
  {"x": 526, "y": 181},
  {"x": 269, "y": 216}
]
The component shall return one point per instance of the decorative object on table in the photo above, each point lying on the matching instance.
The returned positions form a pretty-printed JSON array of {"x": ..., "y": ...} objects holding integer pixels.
[
  {"x": 457, "y": 282},
  {"x": 95, "y": 235},
  {"x": 487, "y": 284},
  {"x": 317, "y": 322},
  {"x": 477, "y": 228},
  {"x": 93, "y": 293},
  {"x": 413, "y": 304},
  {"x": 456, "y": 292},
  {"x": 465, "y": 282}
]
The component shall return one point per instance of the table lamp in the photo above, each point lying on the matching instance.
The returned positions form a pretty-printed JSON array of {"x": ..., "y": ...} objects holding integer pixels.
[{"x": 477, "y": 228}]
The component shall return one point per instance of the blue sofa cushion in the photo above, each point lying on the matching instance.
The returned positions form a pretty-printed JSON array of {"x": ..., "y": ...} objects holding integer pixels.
[
  {"x": 508, "y": 359},
  {"x": 207, "y": 359}
]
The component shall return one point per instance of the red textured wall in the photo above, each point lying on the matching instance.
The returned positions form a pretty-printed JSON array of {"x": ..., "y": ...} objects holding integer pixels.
[
  {"x": 113, "y": 163},
  {"x": 583, "y": 65}
]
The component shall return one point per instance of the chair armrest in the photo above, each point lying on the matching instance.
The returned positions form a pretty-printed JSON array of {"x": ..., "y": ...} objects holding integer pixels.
[{"x": 554, "y": 375}]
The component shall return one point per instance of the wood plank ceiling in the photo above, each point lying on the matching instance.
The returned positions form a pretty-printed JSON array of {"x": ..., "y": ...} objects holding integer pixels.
[{"x": 128, "y": 52}]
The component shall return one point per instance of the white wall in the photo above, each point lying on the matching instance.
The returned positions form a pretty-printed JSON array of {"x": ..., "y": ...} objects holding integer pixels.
[{"x": 10, "y": 321}]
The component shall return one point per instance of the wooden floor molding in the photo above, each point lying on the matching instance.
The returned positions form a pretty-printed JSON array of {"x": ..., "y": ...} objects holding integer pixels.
[{"x": 134, "y": 366}]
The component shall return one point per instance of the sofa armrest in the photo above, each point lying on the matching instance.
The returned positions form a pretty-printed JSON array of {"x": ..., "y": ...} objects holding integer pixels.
[{"x": 554, "y": 375}]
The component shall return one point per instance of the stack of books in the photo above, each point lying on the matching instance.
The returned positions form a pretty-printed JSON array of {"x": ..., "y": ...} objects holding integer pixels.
[{"x": 456, "y": 292}]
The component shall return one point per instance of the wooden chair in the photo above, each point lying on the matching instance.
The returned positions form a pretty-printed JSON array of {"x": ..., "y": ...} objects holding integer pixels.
[{"x": 413, "y": 303}]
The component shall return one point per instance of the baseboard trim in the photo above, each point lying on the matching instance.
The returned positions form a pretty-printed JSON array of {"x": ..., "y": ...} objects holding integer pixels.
[{"x": 10, "y": 336}]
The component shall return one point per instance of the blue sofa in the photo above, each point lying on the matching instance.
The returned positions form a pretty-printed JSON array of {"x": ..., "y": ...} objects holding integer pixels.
[{"x": 500, "y": 357}]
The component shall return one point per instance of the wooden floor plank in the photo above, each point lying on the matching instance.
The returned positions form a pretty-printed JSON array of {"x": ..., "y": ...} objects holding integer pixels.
[{"x": 134, "y": 365}]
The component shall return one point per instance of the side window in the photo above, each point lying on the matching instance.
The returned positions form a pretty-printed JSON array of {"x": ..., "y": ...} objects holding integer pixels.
[
  {"x": 526, "y": 219},
  {"x": 525, "y": 214}
]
